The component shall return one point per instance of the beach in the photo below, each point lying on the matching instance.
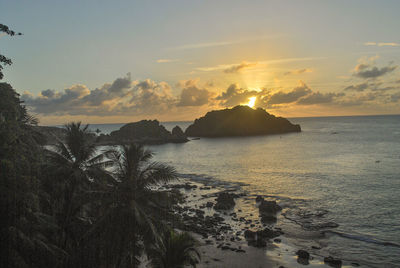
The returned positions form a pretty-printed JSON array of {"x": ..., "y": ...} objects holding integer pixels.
[{"x": 222, "y": 233}]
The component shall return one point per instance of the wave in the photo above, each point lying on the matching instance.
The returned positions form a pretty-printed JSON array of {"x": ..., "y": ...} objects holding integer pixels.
[
  {"x": 364, "y": 239},
  {"x": 212, "y": 181}
]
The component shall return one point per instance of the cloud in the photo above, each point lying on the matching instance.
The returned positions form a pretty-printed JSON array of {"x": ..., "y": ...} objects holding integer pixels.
[
  {"x": 298, "y": 71},
  {"x": 358, "y": 87},
  {"x": 121, "y": 97},
  {"x": 192, "y": 94},
  {"x": 165, "y": 60},
  {"x": 361, "y": 99},
  {"x": 319, "y": 98},
  {"x": 226, "y": 43},
  {"x": 395, "y": 97},
  {"x": 291, "y": 96},
  {"x": 240, "y": 67},
  {"x": 234, "y": 95},
  {"x": 300, "y": 95},
  {"x": 382, "y": 44},
  {"x": 367, "y": 70},
  {"x": 260, "y": 63}
]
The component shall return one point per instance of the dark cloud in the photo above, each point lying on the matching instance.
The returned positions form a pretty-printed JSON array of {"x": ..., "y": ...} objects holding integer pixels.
[
  {"x": 359, "y": 87},
  {"x": 291, "y": 96},
  {"x": 239, "y": 67},
  {"x": 234, "y": 95},
  {"x": 121, "y": 97},
  {"x": 376, "y": 86},
  {"x": 302, "y": 95},
  {"x": 319, "y": 98},
  {"x": 360, "y": 99},
  {"x": 193, "y": 95},
  {"x": 395, "y": 97},
  {"x": 366, "y": 71}
]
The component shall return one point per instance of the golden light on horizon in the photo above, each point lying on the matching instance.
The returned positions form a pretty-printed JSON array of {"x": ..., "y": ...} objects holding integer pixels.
[{"x": 252, "y": 102}]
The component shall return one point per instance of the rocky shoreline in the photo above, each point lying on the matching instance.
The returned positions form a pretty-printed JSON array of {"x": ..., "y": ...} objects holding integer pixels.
[{"x": 233, "y": 225}]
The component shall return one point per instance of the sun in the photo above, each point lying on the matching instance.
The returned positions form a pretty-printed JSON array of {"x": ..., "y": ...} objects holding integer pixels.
[{"x": 252, "y": 102}]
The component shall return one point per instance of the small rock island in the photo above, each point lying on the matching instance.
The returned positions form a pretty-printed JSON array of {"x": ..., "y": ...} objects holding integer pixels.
[
  {"x": 145, "y": 132},
  {"x": 240, "y": 121}
]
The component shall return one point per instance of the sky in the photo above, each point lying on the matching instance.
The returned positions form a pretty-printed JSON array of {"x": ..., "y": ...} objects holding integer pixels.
[{"x": 122, "y": 61}]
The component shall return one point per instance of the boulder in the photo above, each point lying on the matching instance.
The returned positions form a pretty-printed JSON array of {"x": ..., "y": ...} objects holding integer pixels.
[
  {"x": 303, "y": 254},
  {"x": 269, "y": 233},
  {"x": 250, "y": 235},
  {"x": 269, "y": 207},
  {"x": 209, "y": 204},
  {"x": 239, "y": 121},
  {"x": 333, "y": 262},
  {"x": 255, "y": 239},
  {"x": 225, "y": 201},
  {"x": 259, "y": 198}
]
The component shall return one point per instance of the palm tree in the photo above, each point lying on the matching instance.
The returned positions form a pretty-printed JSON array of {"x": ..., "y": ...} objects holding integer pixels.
[
  {"x": 132, "y": 208},
  {"x": 176, "y": 250},
  {"x": 74, "y": 167}
]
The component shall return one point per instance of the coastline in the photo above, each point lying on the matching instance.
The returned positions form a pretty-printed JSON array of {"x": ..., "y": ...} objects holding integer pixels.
[{"x": 224, "y": 243}]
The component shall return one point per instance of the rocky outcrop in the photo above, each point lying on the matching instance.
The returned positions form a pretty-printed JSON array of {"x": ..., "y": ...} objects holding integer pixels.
[
  {"x": 333, "y": 262},
  {"x": 145, "y": 132},
  {"x": 303, "y": 254},
  {"x": 239, "y": 121},
  {"x": 225, "y": 201},
  {"x": 268, "y": 210},
  {"x": 259, "y": 238},
  {"x": 178, "y": 132}
]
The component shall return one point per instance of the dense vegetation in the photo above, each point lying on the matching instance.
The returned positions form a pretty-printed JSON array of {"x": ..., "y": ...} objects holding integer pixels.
[{"x": 74, "y": 206}]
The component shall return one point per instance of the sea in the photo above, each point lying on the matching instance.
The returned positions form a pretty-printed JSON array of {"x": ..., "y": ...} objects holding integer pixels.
[{"x": 338, "y": 180}]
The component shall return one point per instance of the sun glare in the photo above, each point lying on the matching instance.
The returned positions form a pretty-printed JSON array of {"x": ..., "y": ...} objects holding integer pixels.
[{"x": 251, "y": 102}]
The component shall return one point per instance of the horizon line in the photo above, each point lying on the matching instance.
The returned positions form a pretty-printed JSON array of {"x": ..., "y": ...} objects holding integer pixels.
[{"x": 325, "y": 116}]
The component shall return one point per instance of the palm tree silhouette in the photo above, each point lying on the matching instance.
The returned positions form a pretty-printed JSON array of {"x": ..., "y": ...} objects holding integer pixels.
[
  {"x": 176, "y": 250},
  {"x": 74, "y": 167},
  {"x": 133, "y": 210}
]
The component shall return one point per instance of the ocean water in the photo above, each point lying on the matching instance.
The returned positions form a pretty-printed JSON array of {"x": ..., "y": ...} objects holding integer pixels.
[{"x": 341, "y": 171}]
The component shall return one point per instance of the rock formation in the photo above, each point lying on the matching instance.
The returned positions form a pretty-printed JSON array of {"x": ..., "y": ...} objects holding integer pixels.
[{"x": 239, "y": 121}]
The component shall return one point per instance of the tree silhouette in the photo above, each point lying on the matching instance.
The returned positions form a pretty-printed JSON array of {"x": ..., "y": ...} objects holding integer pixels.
[{"x": 3, "y": 59}]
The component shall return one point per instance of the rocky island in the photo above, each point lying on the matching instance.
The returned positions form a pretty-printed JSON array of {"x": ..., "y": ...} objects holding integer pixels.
[
  {"x": 146, "y": 132},
  {"x": 240, "y": 121}
]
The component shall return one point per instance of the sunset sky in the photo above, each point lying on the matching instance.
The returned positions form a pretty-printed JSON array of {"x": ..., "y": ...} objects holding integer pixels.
[{"x": 121, "y": 61}]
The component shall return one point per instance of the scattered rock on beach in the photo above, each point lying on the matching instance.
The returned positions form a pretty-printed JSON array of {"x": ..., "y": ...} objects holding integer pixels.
[
  {"x": 268, "y": 210},
  {"x": 225, "y": 201},
  {"x": 269, "y": 207},
  {"x": 333, "y": 262},
  {"x": 303, "y": 254},
  {"x": 209, "y": 204},
  {"x": 259, "y": 198}
]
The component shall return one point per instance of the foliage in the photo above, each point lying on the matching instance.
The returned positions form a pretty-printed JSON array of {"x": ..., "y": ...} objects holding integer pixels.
[
  {"x": 132, "y": 210},
  {"x": 175, "y": 250},
  {"x": 73, "y": 206},
  {"x": 3, "y": 59},
  {"x": 72, "y": 169},
  {"x": 22, "y": 225}
]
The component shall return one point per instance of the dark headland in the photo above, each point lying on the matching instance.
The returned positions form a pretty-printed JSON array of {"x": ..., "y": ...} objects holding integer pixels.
[
  {"x": 141, "y": 132},
  {"x": 240, "y": 121}
]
